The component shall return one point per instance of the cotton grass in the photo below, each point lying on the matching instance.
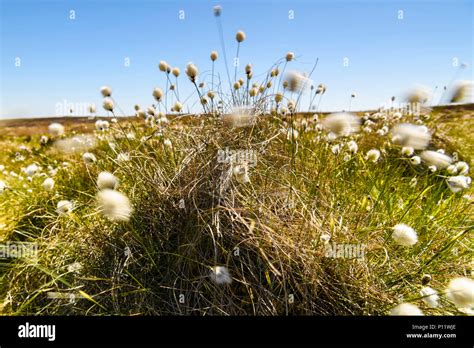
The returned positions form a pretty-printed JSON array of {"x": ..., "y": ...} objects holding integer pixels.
[{"x": 114, "y": 205}]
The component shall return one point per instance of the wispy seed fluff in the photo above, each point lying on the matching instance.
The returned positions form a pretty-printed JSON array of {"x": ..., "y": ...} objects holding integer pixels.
[
  {"x": 64, "y": 207},
  {"x": 56, "y": 129},
  {"x": 114, "y": 205},
  {"x": 106, "y": 91},
  {"x": 373, "y": 155},
  {"x": 341, "y": 124},
  {"x": 214, "y": 56},
  {"x": 296, "y": 81},
  {"x": 3, "y": 186},
  {"x": 241, "y": 173},
  {"x": 415, "y": 160},
  {"x": 157, "y": 94},
  {"x": 31, "y": 169},
  {"x": 220, "y": 275},
  {"x": 108, "y": 104},
  {"x": 458, "y": 183},
  {"x": 107, "y": 180},
  {"x": 48, "y": 184},
  {"x": 352, "y": 146},
  {"x": 406, "y": 309},
  {"x": 89, "y": 158},
  {"x": 163, "y": 66},
  {"x": 460, "y": 291},
  {"x": 290, "y": 56},
  {"x": 240, "y": 36},
  {"x": 462, "y": 168},
  {"x": 430, "y": 296},
  {"x": 434, "y": 158},
  {"x": 404, "y": 235},
  {"x": 409, "y": 135},
  {"x": 407, "y": 151},
  {"x": 101, "y": 125},
  {"x": 192, "y": 71}
]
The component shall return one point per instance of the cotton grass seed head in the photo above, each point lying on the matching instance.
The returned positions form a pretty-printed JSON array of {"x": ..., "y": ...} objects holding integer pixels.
[
  {"x": 434, "y": 158},
  {"x": 64, "y": 207},
  {"x": 373, "y": 155},
  {"x": 240, "y": 36},
  {"x": 48, "y": 184},
  {"x": 409, "y": 135},
  {"x": 415, "y": 160},
  {"x": 214, "y": 56},
  {"x": 407, "y": 151},
  {"x": 157, "y": 94},
  {"x": 3, "y": 186},
  {"x": 430, "y": 296},
  {"x": 404, "y": 235},
  {"x": 192, "y": 71},
  {"x": 217, "y": 10},
  {"x": 163, "y": 66},
  {"x": 108, "y": 104},
  {"x": 458, "y": 183},
  {"x": 462, "y": 168},
  {"x": 175, "y": 71},
  {"x": 89, "y": 158},
  {"x": 31, "y": 169},
  {"x": 342, "y": 124},
  {"x": 56, "y": 129},
  {"x": 290, "y": 56},
  {"x": 220, "y": 275},
  {"x": 460, "y": 291},
  {"x": 404, "y": 309},
  {"x": 107, "y": 180},
  {"x": 106, "y": 91},
  {"x": 114, "y": 205}
]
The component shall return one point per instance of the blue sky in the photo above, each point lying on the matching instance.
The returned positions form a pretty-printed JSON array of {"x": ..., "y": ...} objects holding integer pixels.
[{"x": 64, "y": 59}]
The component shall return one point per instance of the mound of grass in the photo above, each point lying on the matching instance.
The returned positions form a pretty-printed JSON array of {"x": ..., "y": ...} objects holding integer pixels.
[{"x": 310, "y": 233}]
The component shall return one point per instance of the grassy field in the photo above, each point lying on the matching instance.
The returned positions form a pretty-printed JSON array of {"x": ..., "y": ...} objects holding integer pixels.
[{"x": 306, "y": 228}]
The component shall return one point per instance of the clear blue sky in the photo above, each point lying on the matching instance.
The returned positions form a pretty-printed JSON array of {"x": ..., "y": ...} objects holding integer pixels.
[{"x": 64, "y": 59}]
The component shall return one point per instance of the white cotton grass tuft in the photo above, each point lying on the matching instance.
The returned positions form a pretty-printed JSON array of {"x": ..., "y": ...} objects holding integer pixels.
[
  {"x": 176, "y": 71},
  {"x": 114, "y": 205},
  {"x": 407, "y": 151},
  {"x": 373, "y": 155},
  {"x": 462, "y": 92},
  {"x": 430, "y": 296},
  {"x": 217, "y": 10},
  {"x": 31, "y": 170},
  {"x": 452, "y": 170},
  {"x": 462, "y": 167},
  {"x": 404, "y": 235},
  {"x": 64, "y": 207},
  {"x": 410, "y": 135},
  {"x": 192, "y": 71},
  {"x": 458, "y": 183},
  {"x": 108, "y": 104},
  {"x": 415, "y": 160},
  {"x": 75, "y": 144},
  {"x": 240, "y": 36},
  {"x": 102, "y": 125},
  {"x": 48, "y": 184},
  {"x": 418, "y": 95},
  {"x": 163, "y": 66},
  {"x": 352, "y": 146},
  {"x": 56, "y": 129},
  {"x": 296, "y": 81},
  {"x": 460, "y": 291},
  {"x": 157, "y": 94},
  {"x": 220, "y": 275},
  {"x": 408, "y": 309},
  {"x": 238, "y": 118},
  {"x": 89, "y": 158},
  {"x": 434, "y": 158},
  {"x": 292, "y": 133},
  {"x": 290, "y": 56},
  {"x": 241, "y": 173},
  {"x": 107, "y": 180},
  {"x": 214, "y": 55},
  {"x": 3, "y": 186},
  {"x": 106, "y": 91},
  {"x": 342, "y": 124}
]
